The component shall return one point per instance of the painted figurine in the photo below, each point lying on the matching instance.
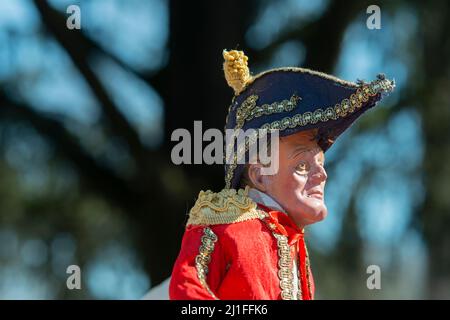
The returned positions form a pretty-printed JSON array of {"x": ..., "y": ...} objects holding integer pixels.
[{"x": 248, "y": 241}]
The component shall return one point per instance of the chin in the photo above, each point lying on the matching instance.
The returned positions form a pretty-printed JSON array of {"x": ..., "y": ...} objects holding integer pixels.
[
  {"x": 321, "y": 215},
  {"x": 313, "y": 215}
]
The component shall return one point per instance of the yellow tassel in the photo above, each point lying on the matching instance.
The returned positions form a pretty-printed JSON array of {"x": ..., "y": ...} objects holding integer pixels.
[{"x": 236, "y": 69}]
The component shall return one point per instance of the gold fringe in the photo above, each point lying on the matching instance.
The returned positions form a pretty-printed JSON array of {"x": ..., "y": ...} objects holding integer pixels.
[{"x": 224, "y": 207}]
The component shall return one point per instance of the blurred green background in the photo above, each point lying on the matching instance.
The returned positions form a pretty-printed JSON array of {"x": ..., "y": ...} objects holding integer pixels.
[{"x": 86, "y": 117}]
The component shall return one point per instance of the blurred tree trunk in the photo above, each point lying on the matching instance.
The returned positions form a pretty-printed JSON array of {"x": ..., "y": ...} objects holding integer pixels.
[{"x": 434, "y": 105}]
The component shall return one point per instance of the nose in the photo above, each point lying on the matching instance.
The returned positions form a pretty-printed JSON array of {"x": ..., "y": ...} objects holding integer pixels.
[{"x": 319, "y": 173}]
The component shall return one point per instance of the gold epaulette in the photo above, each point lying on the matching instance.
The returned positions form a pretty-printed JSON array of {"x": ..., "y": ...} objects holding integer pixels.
[{"x": 226, "y": 206}]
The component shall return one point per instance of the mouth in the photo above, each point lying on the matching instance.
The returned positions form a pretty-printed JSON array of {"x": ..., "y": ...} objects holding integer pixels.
[{"x": 315, "y": 194}]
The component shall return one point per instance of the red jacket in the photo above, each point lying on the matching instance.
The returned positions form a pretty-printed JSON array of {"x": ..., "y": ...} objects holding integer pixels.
[{"x": 245, "y": 254}]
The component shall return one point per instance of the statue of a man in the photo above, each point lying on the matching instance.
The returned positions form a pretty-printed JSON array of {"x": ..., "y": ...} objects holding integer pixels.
[{"x": 247, "y": 241}]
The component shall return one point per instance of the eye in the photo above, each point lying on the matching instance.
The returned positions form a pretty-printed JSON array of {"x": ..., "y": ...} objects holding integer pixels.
[{"x": 302, "y": 168}]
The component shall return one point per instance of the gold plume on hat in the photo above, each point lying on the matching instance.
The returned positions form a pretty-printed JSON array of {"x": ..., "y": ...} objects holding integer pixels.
[{"x": 236, "y": 69}]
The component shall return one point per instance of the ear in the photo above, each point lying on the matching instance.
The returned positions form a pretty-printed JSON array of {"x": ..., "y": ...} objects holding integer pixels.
[{"x": 258, "y": 180}]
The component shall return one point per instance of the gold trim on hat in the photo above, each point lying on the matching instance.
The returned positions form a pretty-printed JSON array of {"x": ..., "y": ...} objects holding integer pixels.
[{"x": 339, "y": 110}]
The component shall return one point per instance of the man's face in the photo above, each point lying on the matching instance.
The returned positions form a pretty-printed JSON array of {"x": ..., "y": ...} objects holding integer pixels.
[{"x": 299, "y": 184}]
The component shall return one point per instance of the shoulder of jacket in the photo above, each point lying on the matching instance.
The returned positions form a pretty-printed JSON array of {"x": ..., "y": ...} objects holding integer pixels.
[{"x": 224, "y": 207}]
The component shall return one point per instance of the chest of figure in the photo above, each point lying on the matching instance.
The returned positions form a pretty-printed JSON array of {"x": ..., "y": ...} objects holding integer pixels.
[{"x": 261, "y": 264}]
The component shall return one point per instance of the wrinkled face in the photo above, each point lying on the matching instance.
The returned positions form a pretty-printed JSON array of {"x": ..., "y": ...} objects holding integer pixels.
[{"x": 299, "y": 184}]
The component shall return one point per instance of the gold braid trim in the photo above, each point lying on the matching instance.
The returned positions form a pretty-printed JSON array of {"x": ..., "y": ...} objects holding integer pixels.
[
  {"x": 203, "y": 258},
  {"x": 224, "y": 207},
  {"x": 308, "y": 274},
  {"x": 285, "y": 262},
  {"x": 285, "y": 267}
]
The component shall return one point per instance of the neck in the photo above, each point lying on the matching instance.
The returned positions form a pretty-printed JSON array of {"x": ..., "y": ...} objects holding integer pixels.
[
  {"x": 299, "y": 224},
  {"x": 267, "y": 200}
]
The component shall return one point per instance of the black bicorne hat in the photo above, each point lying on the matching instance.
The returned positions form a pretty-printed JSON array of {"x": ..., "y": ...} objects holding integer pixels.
[{"x": 293, "y": 100}]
